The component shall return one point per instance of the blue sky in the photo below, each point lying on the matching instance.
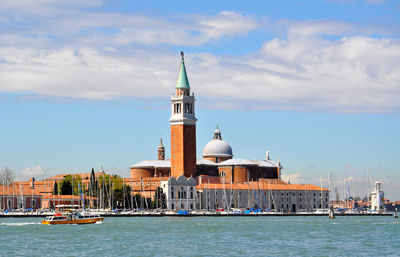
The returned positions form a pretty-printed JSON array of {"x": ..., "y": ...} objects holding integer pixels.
[{"x": 315, "y": 82}]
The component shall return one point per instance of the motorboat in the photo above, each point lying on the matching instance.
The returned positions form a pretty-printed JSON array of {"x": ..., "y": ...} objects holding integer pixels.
[{"x": 70, "y": 218}]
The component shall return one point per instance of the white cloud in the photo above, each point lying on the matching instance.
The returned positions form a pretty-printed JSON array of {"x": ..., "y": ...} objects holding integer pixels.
[
  {"x": 353, "y": 74},
  {"x": 105, "y": 56},
  {"x": 68, "y": 23},
  {"x": 36, "y": 172},
  {"x": 294, "y": 178}
]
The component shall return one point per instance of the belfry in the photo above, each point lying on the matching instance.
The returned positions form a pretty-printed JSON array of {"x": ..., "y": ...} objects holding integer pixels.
[{"x": 183, "y": 127}]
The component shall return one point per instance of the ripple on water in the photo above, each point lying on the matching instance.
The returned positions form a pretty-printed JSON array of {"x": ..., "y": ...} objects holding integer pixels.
[{"x": 165, "y": 236}]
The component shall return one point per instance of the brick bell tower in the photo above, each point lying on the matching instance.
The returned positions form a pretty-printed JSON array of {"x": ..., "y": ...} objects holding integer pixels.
[{"x": 183, "y": 127}]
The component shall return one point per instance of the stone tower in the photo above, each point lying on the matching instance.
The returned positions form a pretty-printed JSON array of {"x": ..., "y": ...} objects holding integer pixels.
[
  {"x": 183, "y": 127},
  {"x": 161, "y": 151}
]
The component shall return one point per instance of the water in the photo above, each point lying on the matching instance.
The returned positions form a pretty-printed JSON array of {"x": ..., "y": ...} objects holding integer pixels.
[{"x": 204, "y": 236}]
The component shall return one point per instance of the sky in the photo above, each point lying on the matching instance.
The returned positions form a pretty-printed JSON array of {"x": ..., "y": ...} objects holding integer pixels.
[{"x": 317, "y": 83}]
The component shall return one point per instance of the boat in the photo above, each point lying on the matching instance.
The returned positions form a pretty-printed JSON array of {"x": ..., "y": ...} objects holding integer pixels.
[{"x": 77, "y": 218}]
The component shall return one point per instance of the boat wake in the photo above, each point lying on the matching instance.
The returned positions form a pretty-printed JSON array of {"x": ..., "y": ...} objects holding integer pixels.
[
  {"x": 19, "y": 224},
  {"x": 99, "y": 222}
]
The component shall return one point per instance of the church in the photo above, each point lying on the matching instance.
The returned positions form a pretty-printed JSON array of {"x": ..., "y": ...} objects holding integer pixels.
[{"x": 218, "y": 180}]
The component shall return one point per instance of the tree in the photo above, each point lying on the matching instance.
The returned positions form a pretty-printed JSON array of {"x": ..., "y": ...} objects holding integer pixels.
[
  {"x": 92, "y": 189},
  {"x": 112, "y": 188},
  {"x": 159, "y": 199},
  {"x": 7, "y": 176},
  {"x": 66, "y": 187},
  {"x": 55, "y": 188}
]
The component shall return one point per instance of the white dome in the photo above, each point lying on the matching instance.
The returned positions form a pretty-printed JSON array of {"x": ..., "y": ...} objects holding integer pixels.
[{"x": 217, "y": 147}]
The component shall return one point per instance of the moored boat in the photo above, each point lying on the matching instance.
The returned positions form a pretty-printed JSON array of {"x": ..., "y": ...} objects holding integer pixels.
[{"x": 77, "y": 218}]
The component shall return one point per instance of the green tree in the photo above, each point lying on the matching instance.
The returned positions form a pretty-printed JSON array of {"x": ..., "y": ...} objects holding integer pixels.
[
  {"x": 113, "y": 191},
  {"x": 55, "y": 188},
  {"x": 70, "y": 185},
  {"x": 159, "y": 199},
  {"x": 66, "y": 188}
]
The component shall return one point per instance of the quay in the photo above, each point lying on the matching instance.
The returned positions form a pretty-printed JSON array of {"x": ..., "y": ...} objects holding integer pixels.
[{"x": 208, "y": 215}]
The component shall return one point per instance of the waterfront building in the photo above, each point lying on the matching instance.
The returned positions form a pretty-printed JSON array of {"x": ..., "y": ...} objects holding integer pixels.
[
  {"x": 221, "y": 180},
  {"x": 12, "y": 198},
  {"x": 217, "y": 180},
  {"x": 180, "y": 193},
  {"x": 50, "y": 201},
  {"x": 377, "y": 197}
]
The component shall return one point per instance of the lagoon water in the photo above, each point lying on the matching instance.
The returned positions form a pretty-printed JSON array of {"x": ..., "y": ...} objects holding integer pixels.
[{"x": 204, "y": 236}]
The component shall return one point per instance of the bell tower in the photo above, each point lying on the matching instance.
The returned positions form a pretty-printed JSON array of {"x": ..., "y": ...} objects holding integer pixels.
[
  {"x": 183, "y": 127},
  {"x": 161, "y": 151}
]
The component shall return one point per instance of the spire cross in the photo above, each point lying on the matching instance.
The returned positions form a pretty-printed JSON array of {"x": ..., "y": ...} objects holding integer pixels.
[{"x": 182, "y": 55}]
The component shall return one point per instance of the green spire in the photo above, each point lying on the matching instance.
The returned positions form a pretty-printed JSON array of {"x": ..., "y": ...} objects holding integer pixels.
[{"x": 183, "y": 82}]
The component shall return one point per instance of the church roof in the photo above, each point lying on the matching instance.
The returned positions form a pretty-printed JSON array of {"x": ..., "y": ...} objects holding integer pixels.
[
  {"x": 263, "y": 186},
  {"x": 217, "y": 147},
  {"x": 205, "y": 162},
  {"x": 183, "y": 81},
  {"x": 267, "y": 163},
  {"x": 153, "y": 164},
  {"x": 240, "y": 162}
]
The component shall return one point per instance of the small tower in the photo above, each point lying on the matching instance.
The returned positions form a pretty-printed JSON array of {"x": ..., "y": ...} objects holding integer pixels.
[
  {"x": 377, "y": 197},
  {"x": 183, "y": 127},
  {"x": 161, "y": 151}
]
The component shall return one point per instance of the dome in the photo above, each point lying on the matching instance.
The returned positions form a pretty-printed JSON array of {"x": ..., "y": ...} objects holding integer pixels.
[{"x": 217, "y": 147}]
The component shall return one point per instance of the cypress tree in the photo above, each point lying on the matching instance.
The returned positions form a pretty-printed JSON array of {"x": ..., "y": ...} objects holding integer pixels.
[{"x": 55, "y": 188}]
